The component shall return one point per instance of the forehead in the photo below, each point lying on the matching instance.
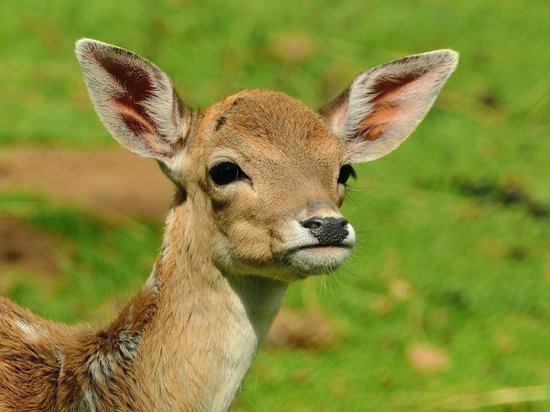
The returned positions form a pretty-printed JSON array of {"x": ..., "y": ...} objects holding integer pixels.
[{"x": 258, "y": 124}]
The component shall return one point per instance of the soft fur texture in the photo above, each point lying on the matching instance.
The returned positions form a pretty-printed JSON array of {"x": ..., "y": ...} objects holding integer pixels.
[{"x": 188, "y": 338}]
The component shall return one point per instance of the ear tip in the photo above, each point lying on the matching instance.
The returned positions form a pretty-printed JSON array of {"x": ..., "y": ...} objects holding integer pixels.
[
  {"x": 446, "y": 56},
  {"x": 449, "y": 54},
  {"x": 86, "y": 46}
]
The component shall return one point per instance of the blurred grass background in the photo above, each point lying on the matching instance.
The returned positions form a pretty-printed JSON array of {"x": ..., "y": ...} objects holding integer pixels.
[{"x": 445, "y": 304}]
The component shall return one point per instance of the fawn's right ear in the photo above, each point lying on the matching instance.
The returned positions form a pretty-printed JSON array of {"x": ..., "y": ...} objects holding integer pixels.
[{"x": 135, "y": 100}]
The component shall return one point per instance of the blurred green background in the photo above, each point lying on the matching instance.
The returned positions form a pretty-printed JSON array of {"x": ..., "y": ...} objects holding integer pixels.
[{"x": 446, "y": 302}]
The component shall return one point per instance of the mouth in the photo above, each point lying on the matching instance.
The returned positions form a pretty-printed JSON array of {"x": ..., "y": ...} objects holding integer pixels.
[
  {"x": 317, "y": 258},
  {"x": 322, "y": 247}
]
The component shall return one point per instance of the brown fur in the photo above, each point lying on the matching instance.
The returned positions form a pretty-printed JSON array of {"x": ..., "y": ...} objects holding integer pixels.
[{"x": 55, "y": 370}]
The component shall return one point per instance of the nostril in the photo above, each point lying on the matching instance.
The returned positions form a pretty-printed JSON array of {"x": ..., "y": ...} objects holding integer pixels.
[
  {"x": 343, "y": 222},
  {"x": 313, "y": 223}
]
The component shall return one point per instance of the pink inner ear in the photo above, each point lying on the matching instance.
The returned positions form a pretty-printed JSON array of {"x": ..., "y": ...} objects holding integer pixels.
[
  {"x": 390, "y": 106},
  {"x": 135, "y": 120},
  {"x": 136, "y": 88},
  {"x": 378, "y": 122},
  {"x": 140, "y": 126}
]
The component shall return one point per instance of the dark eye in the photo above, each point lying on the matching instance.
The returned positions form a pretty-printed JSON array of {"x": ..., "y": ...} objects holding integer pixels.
[
  {"x": 345, "y": 172},
  {"x": 225, "y": 173}
]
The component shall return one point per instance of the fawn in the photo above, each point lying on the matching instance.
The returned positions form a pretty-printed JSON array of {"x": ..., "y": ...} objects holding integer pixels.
[{"x": 259, "y": 179}]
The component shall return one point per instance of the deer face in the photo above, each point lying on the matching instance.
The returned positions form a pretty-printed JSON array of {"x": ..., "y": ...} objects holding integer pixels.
[
  {"x": 266, "y": 174},
  {"x": 271, "y": 171}
]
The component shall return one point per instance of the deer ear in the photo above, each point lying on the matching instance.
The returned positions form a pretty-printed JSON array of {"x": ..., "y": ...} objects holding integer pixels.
[
  {"x": 383, "y": 106},
  {"x": 135, "y": 100}
]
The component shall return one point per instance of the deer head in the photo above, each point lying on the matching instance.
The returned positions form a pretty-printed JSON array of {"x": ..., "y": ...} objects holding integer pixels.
[{"x": 264, "y": 175}]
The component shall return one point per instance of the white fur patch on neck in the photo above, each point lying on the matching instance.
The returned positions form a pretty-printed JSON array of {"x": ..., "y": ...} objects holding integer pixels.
[{"x": 30, "y": 332}]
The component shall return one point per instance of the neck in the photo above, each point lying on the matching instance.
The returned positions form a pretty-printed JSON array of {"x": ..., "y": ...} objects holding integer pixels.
[{"x": 207, "y": 325}]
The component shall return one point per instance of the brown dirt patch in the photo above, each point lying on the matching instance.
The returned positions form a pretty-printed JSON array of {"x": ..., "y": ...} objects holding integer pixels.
[
  {"x": 22, "y": 244},
  {"x": 24, "y": 248},
  {"x": 301, "y": 330},
  {"x": 106, "y": 181}
]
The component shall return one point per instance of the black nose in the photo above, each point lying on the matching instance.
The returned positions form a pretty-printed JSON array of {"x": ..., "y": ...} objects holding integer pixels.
[{"x": 329, "y": 231}]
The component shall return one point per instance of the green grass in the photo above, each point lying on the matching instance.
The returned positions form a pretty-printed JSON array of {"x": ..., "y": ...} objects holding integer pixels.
[{"x": 437, "y": 216}]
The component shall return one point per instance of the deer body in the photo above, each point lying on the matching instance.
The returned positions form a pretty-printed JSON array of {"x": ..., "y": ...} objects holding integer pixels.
[{"x": 259, "y": 181}]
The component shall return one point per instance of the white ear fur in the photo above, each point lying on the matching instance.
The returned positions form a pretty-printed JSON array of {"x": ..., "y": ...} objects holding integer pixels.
[
  {"x": 384, "y": 105},
  {"x": 135, "y": 100}
]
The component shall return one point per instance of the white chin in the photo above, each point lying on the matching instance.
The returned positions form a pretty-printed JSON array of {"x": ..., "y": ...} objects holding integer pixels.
[{"x": 319, "y": 260}]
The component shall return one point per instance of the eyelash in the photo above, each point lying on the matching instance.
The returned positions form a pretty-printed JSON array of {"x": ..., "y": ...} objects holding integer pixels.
[{"x": 346, "y": 171}]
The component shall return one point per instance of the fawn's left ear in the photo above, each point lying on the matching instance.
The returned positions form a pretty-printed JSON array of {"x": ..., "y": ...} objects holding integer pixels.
[
  {"x": 135, "y": 100},
  {"x": 383, "y": 106}
]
